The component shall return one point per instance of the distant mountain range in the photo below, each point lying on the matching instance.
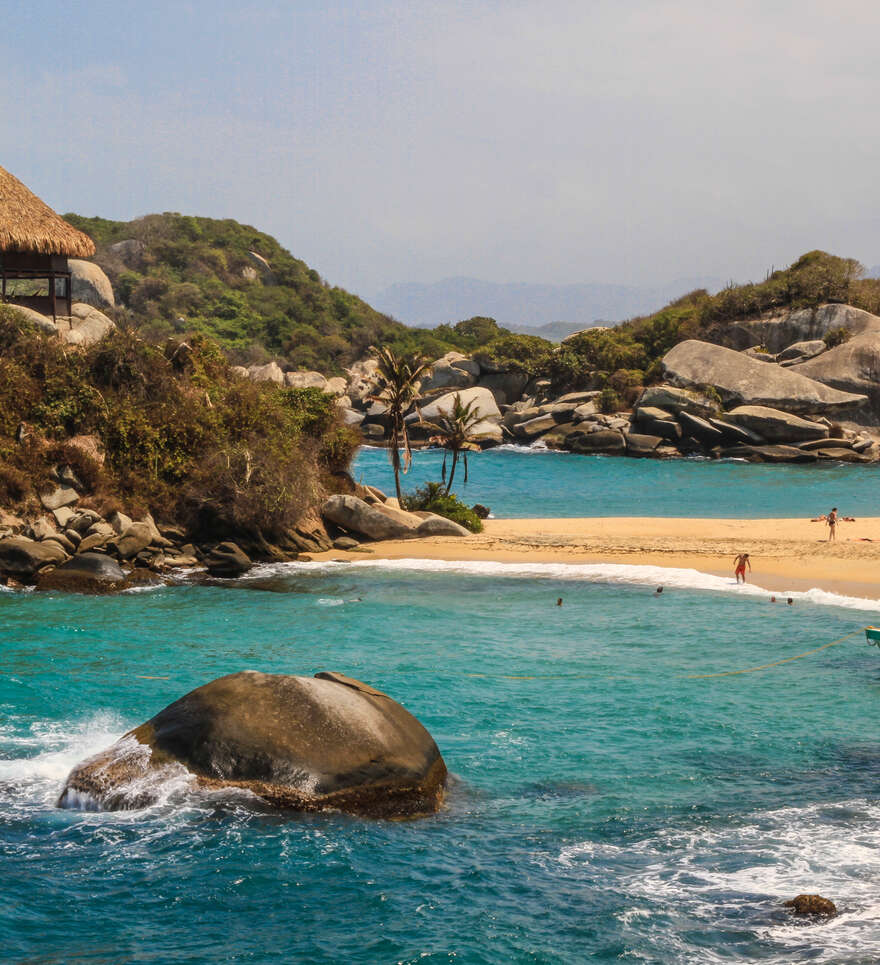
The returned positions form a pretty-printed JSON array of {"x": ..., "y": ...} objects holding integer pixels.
[{"x": 553, "y": 311}]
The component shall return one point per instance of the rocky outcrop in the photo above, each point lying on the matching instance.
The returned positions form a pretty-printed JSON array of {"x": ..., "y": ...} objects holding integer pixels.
[
  {"x": 270, "y": 372},
  {"x": 327, "y": 742},
  {"x": 740, "y": 380},
  {"x": 440, "y": 526},
  {"x": 775, "y": 426},
  {"x": 484, "y": 404},
  {"x": 813, "y": 905},
  {"x": 85, "y": 327},
  {"x": 228, "y": 560},
  {"x": 671, "y": 399},
  {"x": 852, "y": 367},
  {"x": 22, "y": 558},
  {"x": 374, "y": 522},
  {"x": 305, "y": 380},
  {"x": 89, "y": 284},
  {"x": 807, "y": 324},
  {"x": 87, "y": 573},
  {"x": 801, "y": 351}
]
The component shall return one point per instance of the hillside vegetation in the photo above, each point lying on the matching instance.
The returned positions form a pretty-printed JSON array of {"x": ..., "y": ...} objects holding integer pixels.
[
  {"x": 179, "y": 274},
  {"x": 180, "y": 435}
]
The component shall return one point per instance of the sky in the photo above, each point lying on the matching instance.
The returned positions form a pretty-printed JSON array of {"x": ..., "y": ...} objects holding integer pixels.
[{"x": 560, "y": 141}]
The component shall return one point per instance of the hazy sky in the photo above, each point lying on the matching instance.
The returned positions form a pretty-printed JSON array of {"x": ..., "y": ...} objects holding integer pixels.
[{"x": 624, "y": 141}]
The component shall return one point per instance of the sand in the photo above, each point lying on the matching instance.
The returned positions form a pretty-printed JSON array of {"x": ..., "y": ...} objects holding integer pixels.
[{"x": 787, "y": 554}]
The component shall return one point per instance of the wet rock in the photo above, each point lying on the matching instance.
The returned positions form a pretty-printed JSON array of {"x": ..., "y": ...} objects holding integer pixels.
[
  {"x": 345, "y": 543},
  {"x": 814, "y": 905},
  {"x": 227, "y": 560},
  {"x": 307, "y": 744},
  {"x": 768, "y": 454},
  {"x": 604, "y": 440},
  {"x": 87, "y": 573},
  {"x": 22, "y": 557},
  {"x": 639, "y": 444}
]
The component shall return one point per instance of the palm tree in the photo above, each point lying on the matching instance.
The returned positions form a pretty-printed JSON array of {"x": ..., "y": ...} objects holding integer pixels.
[
  {"x": 454, "y": 431},
  {"x": 399, "y": 375}
]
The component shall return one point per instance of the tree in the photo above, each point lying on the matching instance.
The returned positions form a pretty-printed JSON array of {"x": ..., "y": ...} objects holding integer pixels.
[
  {"x": 454, "y": 432},
  {"x": 399, "y": 375}
]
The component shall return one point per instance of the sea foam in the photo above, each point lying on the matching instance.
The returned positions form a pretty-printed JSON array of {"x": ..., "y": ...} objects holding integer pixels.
[{"x": 612, "y": 573}]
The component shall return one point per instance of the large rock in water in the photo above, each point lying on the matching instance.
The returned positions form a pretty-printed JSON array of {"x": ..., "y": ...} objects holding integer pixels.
[
  {"x": 853, "y": 366},
  {"x": 86, "y": 573},
  {"x": 306, "y": 743},
  {"x": 742, "y": 380},
  {"x": 22, "y": 557}
]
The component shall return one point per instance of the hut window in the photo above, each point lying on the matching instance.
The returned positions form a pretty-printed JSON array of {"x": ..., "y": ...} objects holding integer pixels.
[{"x": 27, "y": 287}]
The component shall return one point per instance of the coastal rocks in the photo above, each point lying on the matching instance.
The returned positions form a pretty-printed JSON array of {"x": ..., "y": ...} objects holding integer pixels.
[
  {"x": 86, "y": 573},
  {"x": 137, "y": 537},
  {"x": 639, "y": 444},
  {"x": 741, "y": 380},
  {"x": 812, "y": 905},
  {"x": 228, "y": 560},
  {"x": 43, "y": 323},
  {"x": 20, "y": 557},
  {"x": 59, "y": 497},
  {"x": 775, "y": 426},
  {"x": 778, "y": 454},
  {"x": 806, "y": 324},
  {"x": 440, "y": 526},
  {"x": 446, "y": 373},
  {"x": 89, "y": 284},
  {"x": 675, "y": 400},
  {"x": 302, "y": 743},
  {"x": 853, "y": 366},
  {"x": 375, "y": 522},
  {"x": 602, "y": 441},
  {"x": 484, "y": 404}
]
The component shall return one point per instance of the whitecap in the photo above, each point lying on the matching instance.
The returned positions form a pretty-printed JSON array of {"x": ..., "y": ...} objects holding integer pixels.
[{"x": 613, "y": 573}]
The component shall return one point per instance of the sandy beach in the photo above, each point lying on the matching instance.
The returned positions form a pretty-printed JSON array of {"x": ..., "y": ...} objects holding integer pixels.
[{"x": 787, "y": 554}]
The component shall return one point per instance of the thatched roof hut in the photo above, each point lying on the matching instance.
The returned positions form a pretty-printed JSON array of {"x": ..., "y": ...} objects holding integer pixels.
[
  {"x": 35, "y": 244},
  {"x": 29, "y": 224}
]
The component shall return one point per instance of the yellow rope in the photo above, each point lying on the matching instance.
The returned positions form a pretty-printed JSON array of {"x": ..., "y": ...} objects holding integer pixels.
[{"x": 775, "y": 663}]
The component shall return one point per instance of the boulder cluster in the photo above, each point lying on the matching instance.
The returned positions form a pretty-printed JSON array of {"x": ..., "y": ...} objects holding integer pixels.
[{"x": 784, "y": 396}]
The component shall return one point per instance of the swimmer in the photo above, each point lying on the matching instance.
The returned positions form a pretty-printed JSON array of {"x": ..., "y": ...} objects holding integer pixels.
[
  {"x": 790, "y": 601},
  {"x": 740, "y": 563},
  {"x": 772, "y": 599},
  {"x": 658, "y": 591},
  {"x": 559, "y": 601}
]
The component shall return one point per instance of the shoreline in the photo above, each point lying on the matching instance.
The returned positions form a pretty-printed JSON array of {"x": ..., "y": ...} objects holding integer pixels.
[{"x": 787, "y": 554}]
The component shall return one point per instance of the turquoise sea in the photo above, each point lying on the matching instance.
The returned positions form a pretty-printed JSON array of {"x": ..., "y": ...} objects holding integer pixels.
[
  {"x": 609, "y": 801},
  {"x": 515, "y": 481}
]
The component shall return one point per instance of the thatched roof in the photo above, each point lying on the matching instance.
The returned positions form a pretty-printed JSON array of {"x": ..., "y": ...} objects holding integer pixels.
[{"x": 27, "y": 224}]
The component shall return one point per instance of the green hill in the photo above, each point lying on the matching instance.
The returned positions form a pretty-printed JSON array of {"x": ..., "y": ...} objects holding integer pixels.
[{"x": 176, "y": 274}]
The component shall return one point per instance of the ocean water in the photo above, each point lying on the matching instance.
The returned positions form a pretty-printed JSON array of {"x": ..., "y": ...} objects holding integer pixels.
[
  {"x": 515, "y": 481},
  {"x": 609, "y": 801}
]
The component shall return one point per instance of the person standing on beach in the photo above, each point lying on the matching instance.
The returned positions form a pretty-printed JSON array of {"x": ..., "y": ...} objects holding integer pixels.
[
  {"x": 740, "y": 563},
  {"x": 831, "y": 519}
]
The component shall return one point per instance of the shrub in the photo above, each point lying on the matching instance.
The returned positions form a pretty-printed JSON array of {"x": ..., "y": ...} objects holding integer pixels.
[
  {"x": 433, "y": 498},
  {"x": 836, "y": 336},
  {"x": 608, "y": 401}
]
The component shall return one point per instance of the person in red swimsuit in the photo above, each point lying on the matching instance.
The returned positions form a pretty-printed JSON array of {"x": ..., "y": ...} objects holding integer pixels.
[{"x": 740, "y": 563}]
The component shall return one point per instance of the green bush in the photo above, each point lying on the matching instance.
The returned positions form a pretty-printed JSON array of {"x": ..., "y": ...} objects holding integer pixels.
[
  {"x": 836, "y": 336},
  {"x": 608, "y": 401},
  {"x": 433, "y": 498}
]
